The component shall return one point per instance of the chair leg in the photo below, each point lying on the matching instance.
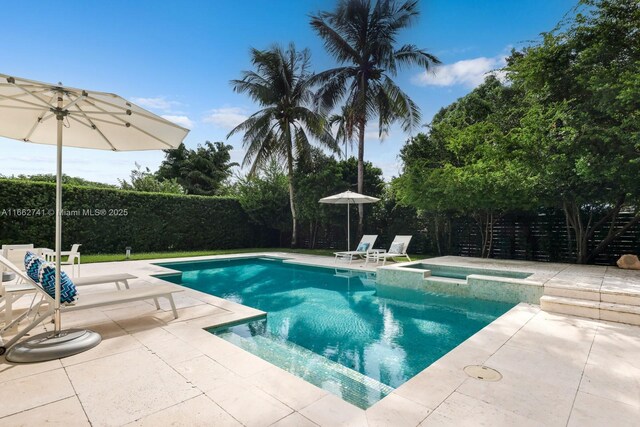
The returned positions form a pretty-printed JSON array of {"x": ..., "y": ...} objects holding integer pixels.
[
  {"x": 157, "y": 305},
  {"x": 173, "y": 306}
]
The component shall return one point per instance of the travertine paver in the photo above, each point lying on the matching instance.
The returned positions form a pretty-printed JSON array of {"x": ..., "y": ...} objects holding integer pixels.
[
  {"x": 153, "y": 370},
  {"x": 462, "y": 410},
  {"x": 248, "y": 404},
  {"x": 120, "y": 388},
  {"x": 61, "y": 413},
  {"x": 197, "y": 412},
  {"x": 29, "y": 392}
]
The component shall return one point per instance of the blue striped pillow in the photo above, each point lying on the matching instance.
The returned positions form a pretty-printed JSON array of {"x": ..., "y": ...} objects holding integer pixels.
[
  {"x": 47, "y": 276},
  {"x": 32, "y": 264}
]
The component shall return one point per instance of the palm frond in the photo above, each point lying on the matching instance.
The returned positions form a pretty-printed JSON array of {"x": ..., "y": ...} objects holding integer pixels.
[
  {"x": 333, "y": 40},
  {"x": 409, "y": 55},
  {"x": 403, "y": 107}
]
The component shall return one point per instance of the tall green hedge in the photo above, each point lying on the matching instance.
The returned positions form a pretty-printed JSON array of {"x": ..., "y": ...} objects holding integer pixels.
[{"x": 96, "y": 218}]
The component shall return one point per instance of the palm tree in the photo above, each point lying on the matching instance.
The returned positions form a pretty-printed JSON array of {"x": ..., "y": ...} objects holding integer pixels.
[
  {"x": 280, "y": 84},
  {"x": 344, "y": 124},
  {"x": 361, "y": 35}
]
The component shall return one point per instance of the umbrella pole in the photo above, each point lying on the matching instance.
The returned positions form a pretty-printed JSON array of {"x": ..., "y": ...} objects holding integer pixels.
[
  {"x": 348, "y": 230},
  {"x": 57, "y": 321}
]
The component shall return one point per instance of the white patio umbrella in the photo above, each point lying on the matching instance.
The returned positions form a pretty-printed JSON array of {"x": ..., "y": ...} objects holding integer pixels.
[
  {"x": 41, "y": 113},
  {"x": 348, "y": 198}
]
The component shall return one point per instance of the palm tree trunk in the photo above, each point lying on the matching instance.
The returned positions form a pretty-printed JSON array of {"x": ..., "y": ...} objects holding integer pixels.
[
  {"x": 294, "y": 224},
  {"x": 361, "y": 125}
]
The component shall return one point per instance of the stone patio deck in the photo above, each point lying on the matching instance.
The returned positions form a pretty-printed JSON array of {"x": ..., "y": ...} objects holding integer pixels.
[{"x": 153, "y": 370}]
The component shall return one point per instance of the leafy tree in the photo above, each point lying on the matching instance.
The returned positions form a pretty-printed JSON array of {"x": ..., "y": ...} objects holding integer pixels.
[
  {"x": 202, "y": 171},
  {"x": 582, "y": 86},
  {"x": 361, "y": 35},
  {"x": 145, "y": 180},
  {"x": 281, "y": 86},
  {"x": 264, "y": 195},
  {"x": 319, "y": 176},
  {"x": 467, "y": 163}
]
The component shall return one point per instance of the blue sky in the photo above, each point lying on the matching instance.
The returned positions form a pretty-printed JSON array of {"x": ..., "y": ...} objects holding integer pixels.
[{"x": 176, "y": 58}]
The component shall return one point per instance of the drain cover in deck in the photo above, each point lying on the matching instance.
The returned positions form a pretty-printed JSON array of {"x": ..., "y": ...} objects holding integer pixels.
[{"x": 483, "y": 373}]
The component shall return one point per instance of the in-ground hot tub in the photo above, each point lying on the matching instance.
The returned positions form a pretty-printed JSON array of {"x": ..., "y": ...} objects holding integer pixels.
[{"x": 506, "y": 284}]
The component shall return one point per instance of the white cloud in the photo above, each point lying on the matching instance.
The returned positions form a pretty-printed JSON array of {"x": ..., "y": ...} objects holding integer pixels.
[
  {"x": 226, "y": 118},
  {"x": 183, "y": 121},
  {"x": 157, "y": 103},
  {"x": 468, "y": 72}
]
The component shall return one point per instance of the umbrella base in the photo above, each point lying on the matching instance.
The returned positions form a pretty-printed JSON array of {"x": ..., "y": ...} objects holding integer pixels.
[{"x": 49, "y": 346}]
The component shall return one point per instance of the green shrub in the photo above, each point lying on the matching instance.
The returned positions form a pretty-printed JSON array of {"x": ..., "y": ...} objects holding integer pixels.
[{"x": 96, "y": 218}]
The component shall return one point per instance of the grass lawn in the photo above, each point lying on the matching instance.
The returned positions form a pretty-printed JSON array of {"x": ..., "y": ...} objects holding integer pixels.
[{"x": 87, "y": 259}]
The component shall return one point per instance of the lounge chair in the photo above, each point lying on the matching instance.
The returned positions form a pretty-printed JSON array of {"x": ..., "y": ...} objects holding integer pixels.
[
  {"x": 41, "y": 310},
  {"x": 398, "y": 249},
  {"x": 366, "y": 244},
  {"x": 72, "y": 256},
  {"x": 10, "y": 293},
  {"x": 16, "y": 253}
]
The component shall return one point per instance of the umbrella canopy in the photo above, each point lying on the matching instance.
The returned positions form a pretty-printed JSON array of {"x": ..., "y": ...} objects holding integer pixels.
[
  {"x": 53, "y": 114},
  {"x": 98, "y": 120},
  {"x": 348, "y": 198}
]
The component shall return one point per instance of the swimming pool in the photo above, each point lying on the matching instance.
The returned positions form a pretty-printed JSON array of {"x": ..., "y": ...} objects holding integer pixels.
[{"x": 336, "y": 328}]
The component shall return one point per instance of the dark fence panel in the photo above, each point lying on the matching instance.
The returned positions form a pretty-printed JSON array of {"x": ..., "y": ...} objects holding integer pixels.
[{"x": 540, "y": 236}]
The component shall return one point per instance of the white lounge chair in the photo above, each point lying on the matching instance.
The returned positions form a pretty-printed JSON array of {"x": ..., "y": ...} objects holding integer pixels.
[
  {"x": 72, "y": 256},
  {"x": 398, "y": 249},
  {"x": 368, "y": 239},
  {"x": 42, "y": 309},
  {"x": 11, "y": 292},
  {"x": 16, "y": 253}
]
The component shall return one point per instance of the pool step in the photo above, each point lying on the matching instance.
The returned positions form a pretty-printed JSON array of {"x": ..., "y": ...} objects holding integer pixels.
[
  {"x": 338, "y": 379},
  {"x": 592, "y": 309}
]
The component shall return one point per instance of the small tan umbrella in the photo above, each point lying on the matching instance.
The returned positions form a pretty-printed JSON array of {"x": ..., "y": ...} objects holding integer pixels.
[
  {"x": 348, "y": 198},
  {"x": 45, "y": 113}
]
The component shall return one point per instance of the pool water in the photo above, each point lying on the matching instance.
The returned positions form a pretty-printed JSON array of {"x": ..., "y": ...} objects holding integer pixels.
[{"x": 334, "y": 327}]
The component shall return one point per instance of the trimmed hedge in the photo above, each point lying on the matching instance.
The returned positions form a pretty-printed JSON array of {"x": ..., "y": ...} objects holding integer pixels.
[{"x": 95, "y": 217}]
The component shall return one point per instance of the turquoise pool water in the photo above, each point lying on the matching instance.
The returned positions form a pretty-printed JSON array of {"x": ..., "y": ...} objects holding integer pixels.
[{"x": 336, "y": 328}]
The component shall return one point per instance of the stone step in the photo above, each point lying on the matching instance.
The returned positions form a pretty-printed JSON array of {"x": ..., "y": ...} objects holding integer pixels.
[
  {"x": 609, "y": 295},
  {"x": 573, "y": 292},
  {"x": 613, "y": 312}
]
